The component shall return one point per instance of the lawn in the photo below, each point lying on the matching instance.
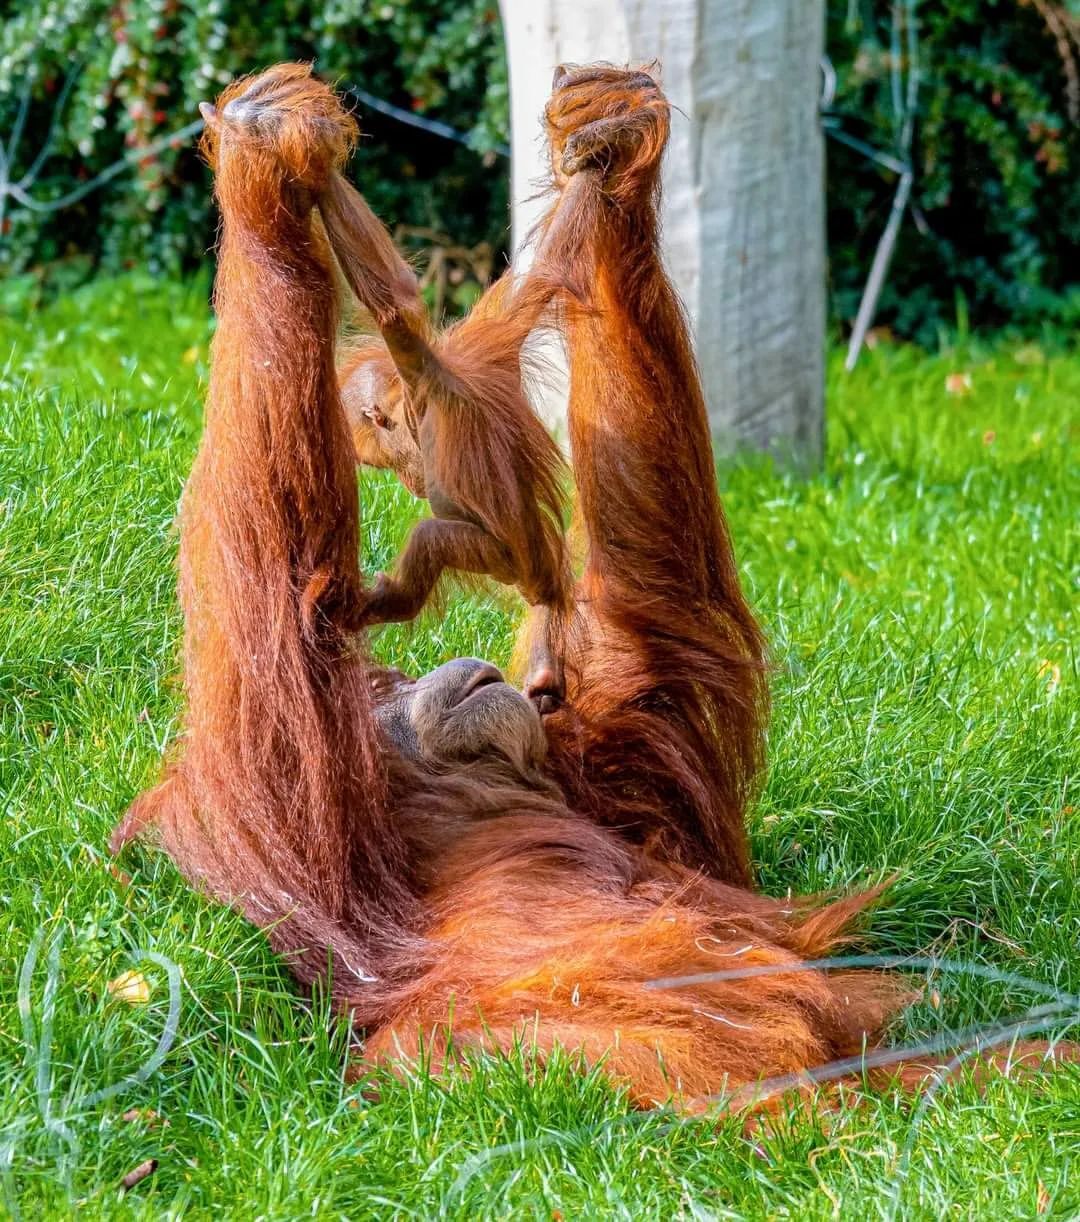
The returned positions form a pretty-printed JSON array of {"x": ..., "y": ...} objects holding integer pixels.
[{"x": 920, "y": 595}]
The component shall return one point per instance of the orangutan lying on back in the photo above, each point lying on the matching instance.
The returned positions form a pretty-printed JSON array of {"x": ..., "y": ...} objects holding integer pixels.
[
  {"x": 459, "y": 860},
  {"x": 447, "y": 411}
]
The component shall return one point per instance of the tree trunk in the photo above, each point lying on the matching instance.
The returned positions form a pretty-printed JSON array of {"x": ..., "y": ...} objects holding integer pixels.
[{"x": 743, "y": 182}]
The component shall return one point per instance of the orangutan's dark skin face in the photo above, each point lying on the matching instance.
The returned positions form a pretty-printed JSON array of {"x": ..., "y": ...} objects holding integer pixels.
[{"x": 464, "y": 710}]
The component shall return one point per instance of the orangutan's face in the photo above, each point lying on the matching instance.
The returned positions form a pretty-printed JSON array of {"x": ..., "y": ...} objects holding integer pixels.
[
  {"x": 376, "y": 408},
  {"x": 463, "y": 710}
]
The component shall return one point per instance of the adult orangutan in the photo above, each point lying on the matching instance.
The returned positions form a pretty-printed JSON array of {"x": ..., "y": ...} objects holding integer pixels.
[{"x": 458, "y": 859}]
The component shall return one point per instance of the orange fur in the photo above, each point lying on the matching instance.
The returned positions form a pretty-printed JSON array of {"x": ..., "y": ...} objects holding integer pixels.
[
  {"x": 664, "y": 733},
  {"x": 459, "y": 428},
  {"x": 465, "y": 906}
]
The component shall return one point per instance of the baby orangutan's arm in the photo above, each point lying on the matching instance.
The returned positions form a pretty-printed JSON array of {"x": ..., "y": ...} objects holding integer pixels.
[{"x": 449, "y": 414}]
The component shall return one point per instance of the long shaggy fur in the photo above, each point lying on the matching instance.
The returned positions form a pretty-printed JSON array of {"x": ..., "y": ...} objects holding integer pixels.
[
  {"x": 488, "y": 461},
  {"x": 664, "y": 733},
  {"x": 475, "y": 906},
  {"x": 277, "y": 766}
]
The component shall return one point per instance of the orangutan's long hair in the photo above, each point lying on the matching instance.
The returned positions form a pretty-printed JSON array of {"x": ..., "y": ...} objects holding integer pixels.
[
  {"x": 475, "y": 905},
  {"x": 278, "y": 767}
]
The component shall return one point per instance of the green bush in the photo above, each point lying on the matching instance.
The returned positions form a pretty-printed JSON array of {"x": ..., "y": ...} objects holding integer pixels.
[
  {"x": 146, "y": 64},
  {"x": 996, "y": 220}
]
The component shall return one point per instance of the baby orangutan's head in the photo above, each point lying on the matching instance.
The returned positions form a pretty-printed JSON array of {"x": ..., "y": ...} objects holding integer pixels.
[{"x": 376, "y": 406}]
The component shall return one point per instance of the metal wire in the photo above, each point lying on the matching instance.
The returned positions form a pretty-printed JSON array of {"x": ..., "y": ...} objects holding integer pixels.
[
  {"x": 1060, "y": 1011},
  {"x": 20, "y": 191}
]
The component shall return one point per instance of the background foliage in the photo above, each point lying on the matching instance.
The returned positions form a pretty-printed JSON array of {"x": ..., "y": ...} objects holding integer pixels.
[
  {"x": 997, "y": 195},
  {"x": 996, "y": 155},
  {"x": 146, "y": 64}
]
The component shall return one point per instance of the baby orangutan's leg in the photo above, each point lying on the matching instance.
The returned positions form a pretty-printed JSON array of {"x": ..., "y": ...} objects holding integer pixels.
[
  {"x": 434, "y": 545},
  {"x": 539, "y": 651}
]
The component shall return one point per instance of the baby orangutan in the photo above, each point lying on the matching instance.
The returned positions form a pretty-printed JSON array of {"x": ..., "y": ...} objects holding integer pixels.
[{"x": 448, "y": 413}]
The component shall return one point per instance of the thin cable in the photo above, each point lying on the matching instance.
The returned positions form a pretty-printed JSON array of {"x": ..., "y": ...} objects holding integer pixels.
[
  {"x": 165, "y": 1041},
  {"x": 18, "y": 192},
  {"x": 930, "y": 963},
  {"x": 435, "y": 126},
  {"x": 39, "y": 1050}
]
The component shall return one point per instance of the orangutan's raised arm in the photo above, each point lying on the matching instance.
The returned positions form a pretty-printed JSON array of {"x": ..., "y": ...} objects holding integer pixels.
[
  {"x": 643, "y": 461},
  {"x": 666, "y": 653},
  {"x": 276, "y": 799}
]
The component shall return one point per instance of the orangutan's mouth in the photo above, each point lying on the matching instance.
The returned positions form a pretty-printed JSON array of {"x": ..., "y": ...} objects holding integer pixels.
[{"x": 485, "y": 676}]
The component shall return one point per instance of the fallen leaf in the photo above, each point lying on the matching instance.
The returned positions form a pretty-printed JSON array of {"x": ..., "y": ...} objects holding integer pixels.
[
  {"x": 1042, "y": 1199},
  {"x": 958, "y": 384},
  {"x": 137, "y": 1174},
  {"x": 989, "y": 437},
  {"x": 130, "y": 987},
  {"x": 1052, "y": 673}
]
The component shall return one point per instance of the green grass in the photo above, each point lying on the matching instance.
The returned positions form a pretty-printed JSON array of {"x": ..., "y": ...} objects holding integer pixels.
[{"x": 920, "y": 596}]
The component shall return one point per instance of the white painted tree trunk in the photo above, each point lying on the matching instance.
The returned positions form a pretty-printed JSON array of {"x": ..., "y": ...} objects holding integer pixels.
[{"x": 743, "y": 183}]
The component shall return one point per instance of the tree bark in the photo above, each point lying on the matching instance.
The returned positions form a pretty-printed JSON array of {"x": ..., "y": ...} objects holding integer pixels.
[{"x": 743, "y": 183}]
